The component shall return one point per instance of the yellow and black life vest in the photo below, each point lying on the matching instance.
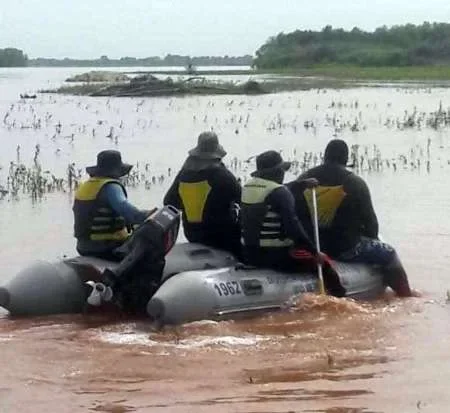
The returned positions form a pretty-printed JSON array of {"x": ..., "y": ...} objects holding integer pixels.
[
  {"x": 329, "y": 199},
  {"x": 261, "y": 226},
  {"x": 94, "y": 219},
  {"x": 194, "y": 196}
]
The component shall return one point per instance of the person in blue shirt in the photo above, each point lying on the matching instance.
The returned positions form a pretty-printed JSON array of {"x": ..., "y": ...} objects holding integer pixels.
[{"x": 104, "y": 228}]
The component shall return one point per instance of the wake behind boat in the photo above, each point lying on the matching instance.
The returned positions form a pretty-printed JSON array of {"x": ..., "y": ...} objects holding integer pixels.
[{"x": 198, "y": 283}]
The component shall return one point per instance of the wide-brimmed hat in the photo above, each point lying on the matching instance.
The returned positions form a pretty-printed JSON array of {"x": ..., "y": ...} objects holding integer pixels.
[
  {"x": 109, "y": 164},
  {"x": 208, "y": 147},
  {"x": 269, "y": 162}
]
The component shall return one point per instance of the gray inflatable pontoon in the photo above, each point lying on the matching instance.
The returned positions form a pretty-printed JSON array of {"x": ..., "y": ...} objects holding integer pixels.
[
  {"x": 241, "y": 291},
  {"x": 198, "y": 283}
]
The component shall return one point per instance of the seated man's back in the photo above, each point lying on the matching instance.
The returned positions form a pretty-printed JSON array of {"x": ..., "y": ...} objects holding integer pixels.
[
  {"x": 270, "y": 227},
  {"x": 205, "y": 191},
  {"x": 348, "y": 225},
  {"x": 345, "y": 209}
]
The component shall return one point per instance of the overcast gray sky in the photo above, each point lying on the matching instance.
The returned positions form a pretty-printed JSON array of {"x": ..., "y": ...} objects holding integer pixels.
[{"x": 140, "y": 28}]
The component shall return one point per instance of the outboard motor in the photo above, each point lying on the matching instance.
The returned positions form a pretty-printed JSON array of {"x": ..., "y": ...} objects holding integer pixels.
[{"x": 138, "y": 275}]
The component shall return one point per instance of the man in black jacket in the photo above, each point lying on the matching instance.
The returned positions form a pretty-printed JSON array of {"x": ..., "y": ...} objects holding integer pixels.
[
  {"x": 347, "y": 220},
  {"x": 207, "y": 193}
]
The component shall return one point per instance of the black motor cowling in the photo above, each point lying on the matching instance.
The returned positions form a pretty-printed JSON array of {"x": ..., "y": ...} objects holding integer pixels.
[{"x": 138, "y": 275}]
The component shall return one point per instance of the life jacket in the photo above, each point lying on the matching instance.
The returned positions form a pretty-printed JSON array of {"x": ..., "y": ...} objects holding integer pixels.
[
  {"x": 329, "y": 200},
  {"x": 261, "y": 226},
  {"x": 194, "y": 196},
  {"x": 94, "y": 219}
]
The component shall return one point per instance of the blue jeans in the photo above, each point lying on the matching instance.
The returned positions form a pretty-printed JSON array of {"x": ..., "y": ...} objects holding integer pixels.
[{"x": 370, "y": 251}]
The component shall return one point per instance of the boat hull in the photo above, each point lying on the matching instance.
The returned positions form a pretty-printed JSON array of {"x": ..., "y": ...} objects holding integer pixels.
[
  {"x": 198, "y": 283},
  {"x": 230, "y": 292},
  {"x": 59, "y": 287}
]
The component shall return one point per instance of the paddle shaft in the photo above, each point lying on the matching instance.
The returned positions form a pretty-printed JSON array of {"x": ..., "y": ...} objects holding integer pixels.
[{"x": 316, "y": 236}]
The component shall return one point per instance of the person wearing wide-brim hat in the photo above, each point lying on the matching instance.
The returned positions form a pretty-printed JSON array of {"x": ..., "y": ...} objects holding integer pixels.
[
  {"x": 109, "y": 164},
  {"x": 208, "y": 147},
  {"x": 270, "y": 227},
  {"x": 102, "y": 212},
  {"x": 270, "y": 164},
  {"x": 206, "y": 192}
]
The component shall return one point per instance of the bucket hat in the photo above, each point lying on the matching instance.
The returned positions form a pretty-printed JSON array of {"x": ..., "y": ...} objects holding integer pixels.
[
  {"x": 109, "y": 164},
  {"x": 269, "y": 162},
  {"x": 208, "y": 147}
]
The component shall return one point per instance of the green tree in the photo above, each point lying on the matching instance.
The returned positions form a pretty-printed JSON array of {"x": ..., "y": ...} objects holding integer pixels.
[
  {"x": 11, "y": 57},
  {"x": 408, "y": 44}
]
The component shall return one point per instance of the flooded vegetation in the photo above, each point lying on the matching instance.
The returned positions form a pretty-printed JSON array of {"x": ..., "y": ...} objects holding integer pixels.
[
  {"x": 325, "y": 354},
  {"x": 110, "y": 122}
]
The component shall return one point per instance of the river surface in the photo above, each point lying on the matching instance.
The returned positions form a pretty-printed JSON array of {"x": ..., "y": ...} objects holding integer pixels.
[{"x": 325, "y": 355}]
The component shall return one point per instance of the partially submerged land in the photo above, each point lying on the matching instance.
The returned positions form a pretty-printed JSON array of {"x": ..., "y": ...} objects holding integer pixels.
[
  {"x": 148, "y": 84},
  {"x": 122, "y": 85},
  {"x": 145, "y": 84}
]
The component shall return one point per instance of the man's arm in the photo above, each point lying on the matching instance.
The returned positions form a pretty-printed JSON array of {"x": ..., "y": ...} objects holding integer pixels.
[
  {"x": 119, "y": 203},
  {"x": 368, "y": 216},
  {"x": 300, "y": 184},
  {"x": 172, "y": 196},
  {"x": 231, "y": 186},
  {"x": 283, "y": 202}
]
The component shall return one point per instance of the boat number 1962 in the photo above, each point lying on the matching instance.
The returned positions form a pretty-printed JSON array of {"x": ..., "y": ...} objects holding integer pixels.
[{"x": 228, "y": 288}]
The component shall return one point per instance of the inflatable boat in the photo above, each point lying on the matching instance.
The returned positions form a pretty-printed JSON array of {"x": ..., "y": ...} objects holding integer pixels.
[{"x": 198, "y": 283}]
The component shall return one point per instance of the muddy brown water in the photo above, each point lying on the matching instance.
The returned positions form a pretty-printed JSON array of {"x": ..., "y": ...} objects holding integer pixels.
[{"x": 324, "y": 355}]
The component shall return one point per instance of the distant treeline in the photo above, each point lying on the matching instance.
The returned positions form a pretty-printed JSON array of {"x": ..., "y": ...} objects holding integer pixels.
[
  {"x": 11, "y": 57},
  {"x": 169, "y": 60},
  {"x": 406, "y": 45}
]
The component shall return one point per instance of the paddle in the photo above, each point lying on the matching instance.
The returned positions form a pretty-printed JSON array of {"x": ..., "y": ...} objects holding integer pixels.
[{"x": 316, "y": 236}]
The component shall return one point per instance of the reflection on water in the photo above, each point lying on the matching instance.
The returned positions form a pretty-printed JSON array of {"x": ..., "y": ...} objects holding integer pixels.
[
  {"x": 327, "y": 368},
  {"x": 323, "y": 355}
]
